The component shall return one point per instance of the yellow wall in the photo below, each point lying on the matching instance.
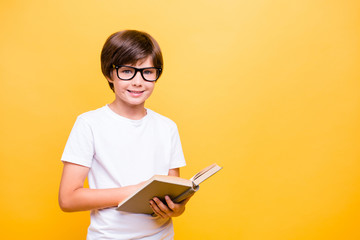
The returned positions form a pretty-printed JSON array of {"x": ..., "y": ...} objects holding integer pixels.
[{"x": 267, "y": 89}]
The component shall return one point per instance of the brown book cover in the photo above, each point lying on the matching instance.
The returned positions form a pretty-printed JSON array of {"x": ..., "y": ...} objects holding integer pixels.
[{"x": 159, "y": 186}]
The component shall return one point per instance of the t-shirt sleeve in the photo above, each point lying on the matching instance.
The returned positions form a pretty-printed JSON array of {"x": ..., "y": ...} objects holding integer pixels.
[
  {"x": 177, "y": 155},
  {"x": 79, "y": 148}
]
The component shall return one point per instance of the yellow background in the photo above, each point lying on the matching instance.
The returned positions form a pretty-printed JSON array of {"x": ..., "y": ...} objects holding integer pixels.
[{"x": 268, "y": 89}]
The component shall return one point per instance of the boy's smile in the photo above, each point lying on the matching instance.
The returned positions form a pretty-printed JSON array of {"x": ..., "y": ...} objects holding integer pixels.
[{"x": 135, "y": 93}]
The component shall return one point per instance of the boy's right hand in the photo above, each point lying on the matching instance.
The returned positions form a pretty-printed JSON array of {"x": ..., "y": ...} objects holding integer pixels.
[{"x": 170, "y": 209}]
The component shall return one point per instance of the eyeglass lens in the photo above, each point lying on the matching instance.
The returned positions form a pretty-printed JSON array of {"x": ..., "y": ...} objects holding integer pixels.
[{"x": 126, "y": 73}]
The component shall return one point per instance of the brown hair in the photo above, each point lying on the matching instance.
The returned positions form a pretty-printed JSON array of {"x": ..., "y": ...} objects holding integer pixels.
[{"x": 128, "y": 47}]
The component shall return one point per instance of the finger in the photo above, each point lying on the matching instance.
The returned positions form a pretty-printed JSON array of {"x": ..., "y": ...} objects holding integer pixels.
[
  {"x": 170, "y": 203},
  {"x": 156, "y": 209},
  {"x": 154, "y": 214},
  {"x": 162, "y": 206}
]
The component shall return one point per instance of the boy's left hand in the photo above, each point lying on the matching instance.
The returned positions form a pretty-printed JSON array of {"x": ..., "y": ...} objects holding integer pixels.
[{"x": 170, "y": 210}]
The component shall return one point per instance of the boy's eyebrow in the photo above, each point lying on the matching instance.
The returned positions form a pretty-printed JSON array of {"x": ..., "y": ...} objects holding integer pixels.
[{"x": 116, "y": 66}]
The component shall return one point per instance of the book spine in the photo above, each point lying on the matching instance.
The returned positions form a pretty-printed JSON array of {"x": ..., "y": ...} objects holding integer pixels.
[{"x": 185, "y": 194}]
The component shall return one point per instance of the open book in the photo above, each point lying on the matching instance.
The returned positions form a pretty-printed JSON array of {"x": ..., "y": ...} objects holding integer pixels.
[{"x": 159, "y": 186}]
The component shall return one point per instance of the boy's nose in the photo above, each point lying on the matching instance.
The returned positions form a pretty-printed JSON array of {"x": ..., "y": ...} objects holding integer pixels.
[{"x": 137, "y": 80}]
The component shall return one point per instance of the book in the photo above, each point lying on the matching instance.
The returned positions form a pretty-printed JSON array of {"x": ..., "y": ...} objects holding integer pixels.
[{"x": 176, "y": 188}]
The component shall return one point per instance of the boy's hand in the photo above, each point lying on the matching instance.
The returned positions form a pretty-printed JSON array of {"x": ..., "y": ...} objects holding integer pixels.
[{"x": 170, "y": 210}]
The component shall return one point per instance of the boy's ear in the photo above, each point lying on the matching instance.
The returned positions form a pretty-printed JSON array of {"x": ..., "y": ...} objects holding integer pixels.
[{"x": 110, "y": 80}]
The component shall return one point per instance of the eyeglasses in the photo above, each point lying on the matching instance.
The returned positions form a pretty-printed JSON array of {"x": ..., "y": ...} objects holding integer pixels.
[{"x": 126, "y": 73}]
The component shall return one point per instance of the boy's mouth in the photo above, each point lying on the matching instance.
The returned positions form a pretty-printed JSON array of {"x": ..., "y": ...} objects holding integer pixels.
[{"x": 135, "y": 92}]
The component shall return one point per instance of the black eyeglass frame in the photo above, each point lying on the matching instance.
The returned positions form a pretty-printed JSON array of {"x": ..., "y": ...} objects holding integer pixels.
[{"x": 137, "y": 70}]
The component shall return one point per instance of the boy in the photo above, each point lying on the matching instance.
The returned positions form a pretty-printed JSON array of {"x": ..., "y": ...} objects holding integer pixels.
[{"x": 121, "y": 145}]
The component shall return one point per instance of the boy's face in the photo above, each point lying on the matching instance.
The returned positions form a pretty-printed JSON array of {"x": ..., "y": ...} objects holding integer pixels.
[{"x": 133, "y": 92}]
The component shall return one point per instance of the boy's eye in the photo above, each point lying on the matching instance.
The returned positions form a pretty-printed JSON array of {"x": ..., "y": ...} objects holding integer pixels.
[
  {"x": 149, "y": 71},
  {"x": 127, "y": 71}
]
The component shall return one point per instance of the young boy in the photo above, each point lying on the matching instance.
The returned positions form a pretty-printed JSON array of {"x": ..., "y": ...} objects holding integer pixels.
[{"x": 121, "y": 145}]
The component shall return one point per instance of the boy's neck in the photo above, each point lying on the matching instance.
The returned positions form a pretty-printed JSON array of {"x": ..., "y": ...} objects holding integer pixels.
[{"x": 132, "y": 112}]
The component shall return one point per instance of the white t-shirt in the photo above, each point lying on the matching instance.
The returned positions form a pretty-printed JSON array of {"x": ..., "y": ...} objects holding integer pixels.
[{"x": 121, "y": 152}]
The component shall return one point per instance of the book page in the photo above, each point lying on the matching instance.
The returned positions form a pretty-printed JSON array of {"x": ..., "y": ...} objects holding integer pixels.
[{"x": 205, "y": 173}]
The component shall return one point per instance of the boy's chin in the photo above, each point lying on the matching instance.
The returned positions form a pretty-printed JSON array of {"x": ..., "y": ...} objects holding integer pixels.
[{"x": 136, "y": 103}]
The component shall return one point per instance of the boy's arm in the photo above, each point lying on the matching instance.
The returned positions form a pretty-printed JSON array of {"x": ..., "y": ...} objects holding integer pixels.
[
  {"x": 74, "y": 197},
  {"x": 174, "y": 172}
]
